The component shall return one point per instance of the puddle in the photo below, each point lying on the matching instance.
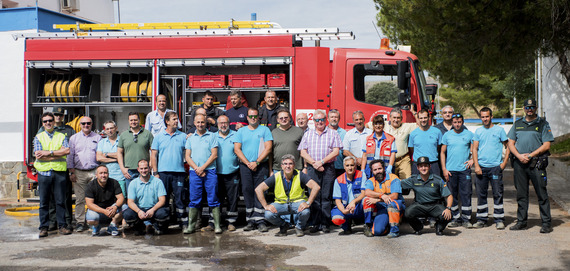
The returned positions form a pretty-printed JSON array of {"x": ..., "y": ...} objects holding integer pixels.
[{"x": 18, "y": 228}]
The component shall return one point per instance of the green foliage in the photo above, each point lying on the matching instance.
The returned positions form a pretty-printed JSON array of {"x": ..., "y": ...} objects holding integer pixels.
[
  {"x": 383, "y": 93},
  {"x": 561, "y": 147}
]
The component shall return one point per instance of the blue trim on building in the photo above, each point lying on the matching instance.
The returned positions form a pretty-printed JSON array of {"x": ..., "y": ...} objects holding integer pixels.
[{"x": 34, "y": 18}]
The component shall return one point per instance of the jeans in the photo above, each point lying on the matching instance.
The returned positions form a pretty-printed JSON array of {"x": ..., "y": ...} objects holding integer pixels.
[
  {"x": 134, "y": 174},
  {"x": 52, "y": 186},
  {"x": 321, "y": 208},
  {"x": 284, "y": 211}
]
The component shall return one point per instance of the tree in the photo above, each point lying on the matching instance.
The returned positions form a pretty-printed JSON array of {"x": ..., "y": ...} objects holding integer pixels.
[{"x": 383, "y": 93}]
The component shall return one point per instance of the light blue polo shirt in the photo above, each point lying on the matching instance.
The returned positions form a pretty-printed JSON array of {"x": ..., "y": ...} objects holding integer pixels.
[
  {"x": 227, "y": 161},
  {"x": 170, "y": 151},
  {"x": 252, "y": 141},
  {"x": 105, "y": 146},
  {"x": 338, "y": 162},
  {"x": 201, "y": 147},
  {"x": 458, "y": 148},
  {"x": 425, "y": 143},
  {"x": 146, "y": 194},
  {"x": 490, "y": 150}
]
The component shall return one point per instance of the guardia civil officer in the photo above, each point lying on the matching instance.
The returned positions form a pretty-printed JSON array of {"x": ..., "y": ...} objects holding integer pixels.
[{"x": 529, "y": 141}]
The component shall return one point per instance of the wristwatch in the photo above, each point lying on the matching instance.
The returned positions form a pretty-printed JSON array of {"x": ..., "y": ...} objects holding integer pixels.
[
  {"x": 50, "y": 153},
  {"x": 448, "y": 208},
  {"x": 106, "y": 155}
]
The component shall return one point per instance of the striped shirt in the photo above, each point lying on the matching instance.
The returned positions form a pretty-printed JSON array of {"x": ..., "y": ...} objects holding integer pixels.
[{"x": 319, "y": 146}]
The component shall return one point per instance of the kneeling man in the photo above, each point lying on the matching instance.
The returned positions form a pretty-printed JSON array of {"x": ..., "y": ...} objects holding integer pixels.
[
  {"x": 347, "y": 194},
  {"x": 383, "y": 203},
  {"x": 104, "y": 199},
  {"x": 147, "y": 198},
  {"x": 289, "y": 185},
  {"x": 429, "y": 191}
]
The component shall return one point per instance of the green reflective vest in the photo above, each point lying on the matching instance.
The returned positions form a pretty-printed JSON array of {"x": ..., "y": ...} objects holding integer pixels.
[
  {"x": 295, "y": 194},
  {"x": 51, "y": 144}
]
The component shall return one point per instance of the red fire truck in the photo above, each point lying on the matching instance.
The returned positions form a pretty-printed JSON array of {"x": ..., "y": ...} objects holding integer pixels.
[{"x": 107, "y": 74}]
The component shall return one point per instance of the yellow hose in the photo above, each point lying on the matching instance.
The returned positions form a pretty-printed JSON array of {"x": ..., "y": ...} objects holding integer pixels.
[
  {"x": 74, "y": 89},
  {"x": 18, "y": 211},
  {"x": 58, "y": 93},
  {"x": 133, "y": 91},
  {"x": 124, "y": 92}
]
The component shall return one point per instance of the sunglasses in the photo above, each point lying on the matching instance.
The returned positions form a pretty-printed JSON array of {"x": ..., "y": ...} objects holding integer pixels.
[
  {"x": 253, "y": 116},
  {"x": 85, "y": 123},
  {"x": 46, "y": 121},
  {"x": 319, "y": 120},
  {"x": 136, "y": 138},
  {"x": 457, "y": 115},
  {"x": 284, "y": 118},
  {"x": 532, "y": 107}
]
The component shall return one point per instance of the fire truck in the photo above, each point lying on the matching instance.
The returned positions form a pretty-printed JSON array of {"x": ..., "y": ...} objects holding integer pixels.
[{"x": 107, "y": 71}]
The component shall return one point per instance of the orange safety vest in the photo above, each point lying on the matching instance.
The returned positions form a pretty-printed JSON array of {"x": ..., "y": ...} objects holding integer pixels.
[{"x": 385, "y": 147}]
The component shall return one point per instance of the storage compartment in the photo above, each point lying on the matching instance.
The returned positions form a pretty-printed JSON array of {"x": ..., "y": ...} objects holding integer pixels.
[
  {"x": 246, "y": 80},
  {"x": 64, "y": 87},
  {"x": 207, "y": 81},
  {"x": 131, "y": 87},
  {"x": 275, "y": 80}
]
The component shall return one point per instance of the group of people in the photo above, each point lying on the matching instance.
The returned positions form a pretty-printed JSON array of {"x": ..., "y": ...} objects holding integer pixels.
[{"x": 293, "y": 177}]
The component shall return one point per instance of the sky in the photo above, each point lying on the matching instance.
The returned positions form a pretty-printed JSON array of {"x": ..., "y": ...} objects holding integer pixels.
[{"x": 358, "y": 16}]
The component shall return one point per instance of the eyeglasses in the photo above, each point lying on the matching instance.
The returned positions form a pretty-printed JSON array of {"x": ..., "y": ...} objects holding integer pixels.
[
  {"x": 447, "y": 112},
  {"x": 531, "y": 107},
  {"x": 85, "y": 123},
  {"x": 46, "y": 121},
  {"x": 457, "y": 115},
  {"x": 136, "y": 138},
  {"x": 253, "y": 116},
  {"x": 287, "y": 164},
  {"x": 284, "y": 118},
  {"x": 320, "y": 120}
]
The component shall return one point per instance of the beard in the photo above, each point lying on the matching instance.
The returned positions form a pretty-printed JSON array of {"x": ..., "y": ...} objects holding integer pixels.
[{"x": 379, "y": 176}]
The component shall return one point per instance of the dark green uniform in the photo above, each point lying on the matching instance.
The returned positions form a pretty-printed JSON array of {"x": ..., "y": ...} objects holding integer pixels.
[
  {"x": 529, "y": 136},
  {"x": 68, "y": 132},
  {"x": 428, "y": 197}
]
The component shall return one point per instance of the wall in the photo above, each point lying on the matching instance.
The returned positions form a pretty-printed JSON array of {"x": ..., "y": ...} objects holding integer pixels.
[{"x": 556, "y": 97}]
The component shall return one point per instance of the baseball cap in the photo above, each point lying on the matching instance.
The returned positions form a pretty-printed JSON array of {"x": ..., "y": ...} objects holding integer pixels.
[
  {"x": 58, "y": 110},
  {"x": 530, "y": 102},
  {"x": 422, "y": 160}
]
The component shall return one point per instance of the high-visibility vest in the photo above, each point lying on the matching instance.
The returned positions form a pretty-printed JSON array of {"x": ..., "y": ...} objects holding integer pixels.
[
  {"x": 51, "y": 144},
  {"x": 385, "y": 147},
  {"x": 356, "y": 186},
  {"x": 384, "y": 187},
  {"x": 297, "y": 193}
]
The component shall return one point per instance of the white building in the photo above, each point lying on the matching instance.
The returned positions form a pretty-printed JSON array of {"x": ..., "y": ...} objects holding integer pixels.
[
  {"x": 553, "y": 95},
  {"x": 30, "y": 16}
]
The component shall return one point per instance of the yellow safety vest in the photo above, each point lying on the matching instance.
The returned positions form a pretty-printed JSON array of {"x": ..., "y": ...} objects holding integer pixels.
[
  {"x": 51, "y": 144},
  {"x": 295, "y": 194}
]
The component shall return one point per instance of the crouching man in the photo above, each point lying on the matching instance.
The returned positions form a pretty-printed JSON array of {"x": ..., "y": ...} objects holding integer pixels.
[
  {"x": 347, "y": 194},
  {"x": 429, "y": 191},
  {"x": 289, "y": 187},
  {"x": 383, "y": 204},
  {"x": 146, "y": 199},
  {"x": 104, "y": 199}
]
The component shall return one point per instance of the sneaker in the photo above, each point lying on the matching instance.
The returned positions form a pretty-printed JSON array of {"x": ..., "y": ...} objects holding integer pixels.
[
  {"x": 112, "y": 229},
  {"x": 249, "y": 227},
  {"x": 95, "y": 230},
  {"x": 299, "y": 232},
  {"x": 231, "y": 227},
  {"x": 43, "y": 232},
  {"x": 479, "y": 225},
  {"x": 517, "y": 227},
  {"x": 345, "y": 232},
  {"x": 157, "y": 230},
  {"x": 500, "y": 226},
  {"x": 367, "y": 231},
  {"x": 282, "y": 231},
  {"x": 315, "y": 229},
  {"x": 466, "y": 224},
  {"x": 393, "y": 235},
  {"x": 453, "y": 224},
  {"x": 546, "y": 229},
  {"x": 64, "y": 231},
  {"x": 80, "y": 227},
  {"x": 262, "y": 227},
  {"x": 208, "y": 228},
  {"x": 327, "y": 229}
]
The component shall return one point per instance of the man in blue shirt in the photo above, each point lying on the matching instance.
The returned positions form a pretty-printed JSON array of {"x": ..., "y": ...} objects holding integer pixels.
[
  {"x": 252, "y": 145},
  {"x": 425, "y": 141},
  {"x": 167, "y": 161},
  {"x": 488, "y": 144},
  {"x": 456, "y": 167},
  {"x": 334, "y": 119},
  {"x": 155, "y": 119},
  {"x": 146, "y": 199},
  {"x": 201, "y": 154},
  {"x": 228, "y": 170},
  {"x": 348, "y": 195}
]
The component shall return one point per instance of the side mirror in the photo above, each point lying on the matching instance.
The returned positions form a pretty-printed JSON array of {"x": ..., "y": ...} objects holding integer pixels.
[
  {"x": 403, "y": 75},
  {"x": 403, "y": 98},
  {"x": 431, "y": 89}
]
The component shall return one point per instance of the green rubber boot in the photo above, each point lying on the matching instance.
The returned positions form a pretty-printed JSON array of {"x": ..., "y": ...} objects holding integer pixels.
[
  {"x": 217, "y": 216},
  {"x": 192, "y": 219}
]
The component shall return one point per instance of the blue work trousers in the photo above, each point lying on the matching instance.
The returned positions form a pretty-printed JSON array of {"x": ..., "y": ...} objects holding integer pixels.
[
  {"x": 54, "y": 186},
  {"x": 345, "y": 220},
  {"x": 461, "y": 189},
  {"x": 174, "y": 185},
  {"x": 494, "y": 176},
  {"x": 197, "y": 186}
]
